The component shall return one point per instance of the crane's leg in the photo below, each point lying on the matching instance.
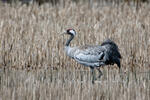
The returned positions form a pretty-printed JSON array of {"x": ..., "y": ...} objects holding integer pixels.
[
  {"x": 121, "y": 73},
  {"x": 100, "y": 73},
  {"x": 93, "y": 74}
]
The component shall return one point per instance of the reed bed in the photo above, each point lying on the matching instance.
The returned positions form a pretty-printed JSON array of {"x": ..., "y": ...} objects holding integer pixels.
[{"x": 33, "y": 64}]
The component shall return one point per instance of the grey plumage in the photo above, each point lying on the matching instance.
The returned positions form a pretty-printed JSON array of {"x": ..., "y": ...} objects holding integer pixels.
[{"x": 93, "y": 56}]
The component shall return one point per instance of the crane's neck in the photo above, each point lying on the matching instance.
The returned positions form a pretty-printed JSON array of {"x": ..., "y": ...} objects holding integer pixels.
[{"x": 69, "y": 40}]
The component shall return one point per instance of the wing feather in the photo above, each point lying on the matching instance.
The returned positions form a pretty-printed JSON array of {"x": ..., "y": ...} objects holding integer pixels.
[{"x": 90, "y": 55}]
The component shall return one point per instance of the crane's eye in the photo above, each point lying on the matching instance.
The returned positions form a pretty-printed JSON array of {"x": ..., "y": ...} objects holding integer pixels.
[{"x": 68, "y": 31}]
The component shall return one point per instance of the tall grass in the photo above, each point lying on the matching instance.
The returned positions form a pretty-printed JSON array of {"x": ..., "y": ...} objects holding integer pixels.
[{"x": 33, "y": 63}]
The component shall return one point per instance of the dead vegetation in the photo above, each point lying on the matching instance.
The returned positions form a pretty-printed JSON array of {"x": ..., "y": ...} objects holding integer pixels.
[{"x": 33, "y": 64}]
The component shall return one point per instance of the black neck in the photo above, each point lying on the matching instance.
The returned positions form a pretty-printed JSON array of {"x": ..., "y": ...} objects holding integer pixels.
[{"x": 69, "y": 40}]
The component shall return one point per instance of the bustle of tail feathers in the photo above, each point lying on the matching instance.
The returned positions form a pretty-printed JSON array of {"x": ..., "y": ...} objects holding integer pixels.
[{"x": 113, "y": 52}]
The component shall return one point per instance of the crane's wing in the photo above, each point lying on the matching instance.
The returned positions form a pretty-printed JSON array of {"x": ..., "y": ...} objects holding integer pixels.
[{"x": 90, "y": 55}]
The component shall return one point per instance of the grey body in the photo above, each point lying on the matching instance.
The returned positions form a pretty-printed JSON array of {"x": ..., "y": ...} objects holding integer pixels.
[
  {"x": 87, "y": 55},
  {"x": 95, "y": 55}
]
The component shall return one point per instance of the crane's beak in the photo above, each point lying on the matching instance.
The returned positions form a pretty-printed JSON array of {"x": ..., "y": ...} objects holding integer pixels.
[{"x": 63, "y": 33}]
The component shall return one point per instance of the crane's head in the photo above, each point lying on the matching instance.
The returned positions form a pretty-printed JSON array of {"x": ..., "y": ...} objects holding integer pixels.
[{"x": 70, "y": 32}]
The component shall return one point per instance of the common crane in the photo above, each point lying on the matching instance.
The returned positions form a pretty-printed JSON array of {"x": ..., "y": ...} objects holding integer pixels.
[{"x": 93, "y": 56}]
